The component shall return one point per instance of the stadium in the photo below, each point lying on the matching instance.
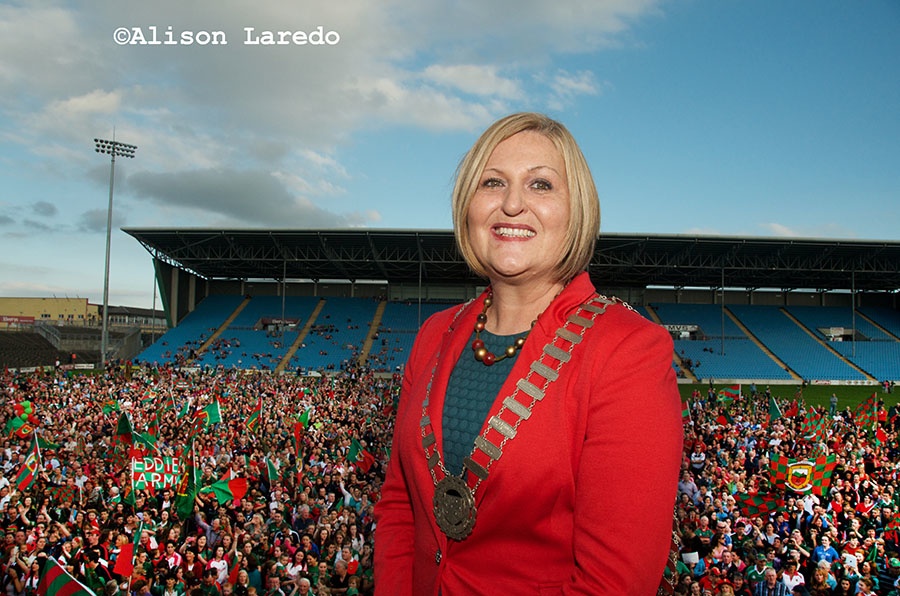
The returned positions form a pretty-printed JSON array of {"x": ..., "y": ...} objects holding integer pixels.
[
  {"x": 739, "y": 309},
  {"x": 274, "y": 387}
]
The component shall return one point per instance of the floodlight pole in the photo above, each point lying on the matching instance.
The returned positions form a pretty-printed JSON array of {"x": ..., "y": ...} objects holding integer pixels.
[{"x": 113, "y": 149}]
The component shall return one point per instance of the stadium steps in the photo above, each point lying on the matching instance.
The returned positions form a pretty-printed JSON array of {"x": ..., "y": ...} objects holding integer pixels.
[
  {"x": 877, "y": 326},
  {"x": 373, "y": 331},
  {"x": 825, "y": 345},
  {"x": 762, "y": 346},
  {"x": 685, "y": 371},
  {"x": 300, "y": 337},
  {"x": 200, "y": 351}
]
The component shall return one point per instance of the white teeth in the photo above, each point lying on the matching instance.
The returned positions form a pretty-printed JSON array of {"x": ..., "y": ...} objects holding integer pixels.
[{"x": 514, "y": 232}]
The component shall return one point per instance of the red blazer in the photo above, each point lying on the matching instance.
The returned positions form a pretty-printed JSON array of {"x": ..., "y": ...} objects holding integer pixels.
[{"x": 581, "y": 500}]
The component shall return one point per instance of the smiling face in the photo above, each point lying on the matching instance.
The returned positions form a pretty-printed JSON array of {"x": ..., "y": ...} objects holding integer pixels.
[{"x": 518, "y": 218}]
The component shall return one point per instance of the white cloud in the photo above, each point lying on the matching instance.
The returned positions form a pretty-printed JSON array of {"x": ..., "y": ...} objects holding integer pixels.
[
  {"x": 777, "y": 229},
  {"x": 474, "y": 79},
  {"x": 213, "y": 116}
]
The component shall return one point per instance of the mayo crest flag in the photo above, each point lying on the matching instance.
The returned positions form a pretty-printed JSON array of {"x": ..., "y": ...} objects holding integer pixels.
[
  {"x": 57, "y": 581},
  {"x": 803, "y": 475}
]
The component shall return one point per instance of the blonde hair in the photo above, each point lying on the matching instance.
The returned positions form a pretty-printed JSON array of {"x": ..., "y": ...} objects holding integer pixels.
[{"x": 584, "y": 203}]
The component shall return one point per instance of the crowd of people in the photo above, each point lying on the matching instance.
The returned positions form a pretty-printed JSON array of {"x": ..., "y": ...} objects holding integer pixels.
[
  {"x": 838, "y": 535},
  {"x": 309, "y": 530},
  {"x": 306, "y": 529}
]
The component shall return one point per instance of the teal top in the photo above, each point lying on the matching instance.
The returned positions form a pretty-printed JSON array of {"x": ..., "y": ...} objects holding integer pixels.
[{"x": 470, "y": 393}]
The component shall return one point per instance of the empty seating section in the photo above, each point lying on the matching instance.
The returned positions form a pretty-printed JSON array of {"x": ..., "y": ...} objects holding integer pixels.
[
  {"x": 888, "y": 318},
  {"x": 807, "y": 357},
  {"x": 337, "y": 335},
  {"x": 26, "y": 348},
  {"x": 707, "y": 316},
  {"x": 399, "y": 326},
  {"x": 742, "y": 358},
  {"x": 340, "y": 330},
  {"x": 816, "y": 318},
  {"x": 874, "y": 351}
]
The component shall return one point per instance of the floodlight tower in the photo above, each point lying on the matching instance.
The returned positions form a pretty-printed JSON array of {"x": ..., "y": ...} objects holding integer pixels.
[{"x": 113, "y": 149}]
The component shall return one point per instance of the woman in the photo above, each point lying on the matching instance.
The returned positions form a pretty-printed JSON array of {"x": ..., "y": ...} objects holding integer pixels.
[{"x": 581, "y": 488}]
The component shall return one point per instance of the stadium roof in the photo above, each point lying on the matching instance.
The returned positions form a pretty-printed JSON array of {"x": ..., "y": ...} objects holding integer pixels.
[{"x": 621, "y": 260}]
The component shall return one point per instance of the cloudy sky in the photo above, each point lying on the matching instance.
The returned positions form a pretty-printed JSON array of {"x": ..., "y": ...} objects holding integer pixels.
[{"x": 749, "y": 118}]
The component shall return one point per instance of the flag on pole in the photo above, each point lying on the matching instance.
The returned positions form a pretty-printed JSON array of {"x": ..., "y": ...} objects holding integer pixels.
[
  {"x": 189, "y": 484},
  {"x": 56, "y": 580},
  {"x": 866, "y": 415},
  {"x": 211, "y": 414},
  {"x": 272, "y": 471},
  {"x": 686, "y": 411},
  {"x": 254, "y": 418},
  {"x": 30, "y": 467},
  {"x": 362, "y": 458},
  {"x": 297, "y": 437},
  {"x": 774, "y": 410},
  {"x": 123, "y": 433},
  {"x": 304, "y": 418}
]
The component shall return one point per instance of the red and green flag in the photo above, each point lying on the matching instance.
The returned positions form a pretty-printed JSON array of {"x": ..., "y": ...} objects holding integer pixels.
[
  {"x": 802, "y": 475},
  {"x": 685, "y": 411},
  {"x": 153, "y": 427},
  {"x": 814, "y": 427},
  {"x": 56, "y": 580},
  {"x": 124, "y": 434},
  {"x": 254, "y": 418},
  {"x": 297, "y": 437},
  {"x": 189, "y": 485},
  {"x": 728, "y": 394},
  {"x": 880, "y": 436},
  {"x": 866, "y": 415},
  {"x": 110, "y": 406},
  {"x": 304, "y": 418},
  {"x": 362, "y": 458},
  {"x": 211, "y": 414},
  {"x": 28, "y": 473},
  {"x": 758, "y": 504},
  {"x": 227, "y": 490}
]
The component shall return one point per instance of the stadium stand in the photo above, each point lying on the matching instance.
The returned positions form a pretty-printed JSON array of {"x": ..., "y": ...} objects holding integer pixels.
[
  {"x": 337, "y": 335},
  {"x": 189, "y": 335},
  {"x": 798, "y": 349},
  {"x": 399, "y": 325},
  {"x": 742, "y": 358},
  {"x": 25, "y": 348}
]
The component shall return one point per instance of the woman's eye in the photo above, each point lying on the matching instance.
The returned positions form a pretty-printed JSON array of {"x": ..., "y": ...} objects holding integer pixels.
[
  {"x": 542, "y": 185},
  {"x": 492, "y": 183}
]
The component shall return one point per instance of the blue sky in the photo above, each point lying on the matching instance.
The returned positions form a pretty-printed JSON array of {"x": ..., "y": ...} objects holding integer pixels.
[{"x": 754, "y": 118}]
